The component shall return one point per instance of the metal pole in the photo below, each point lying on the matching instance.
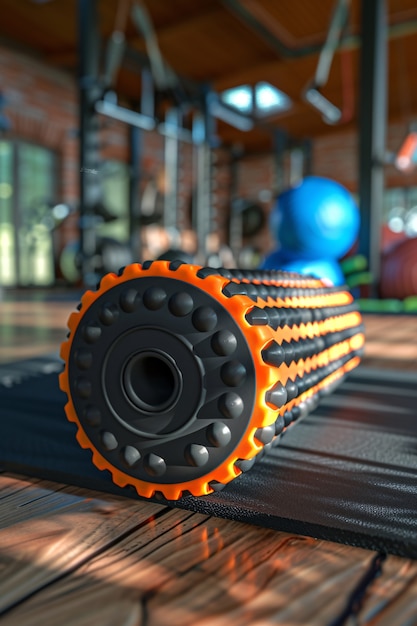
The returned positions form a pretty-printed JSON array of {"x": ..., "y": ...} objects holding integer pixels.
[
  {"x": 127, "y": 116},
  {"x": 116, "y": 112},
  {"x": 135, "y": 147},
  {"x": 296, "y": 165},
  {"x": 372, "y": 131},
  {"x": 89, "y": 91},
  {"x": 235, "y": 217},
  {"x": 147, "y": 108},
  {"x": 171, "y": 170},
  {"x": 202, "y": 210},
  {"x": 308, "y": 157},
  {"x": 147, "y": 98},
  {"x": 280, "y": 146}
]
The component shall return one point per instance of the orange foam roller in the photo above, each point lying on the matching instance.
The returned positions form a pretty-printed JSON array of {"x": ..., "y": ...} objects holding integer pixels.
[{"x": 179, "y": 377}]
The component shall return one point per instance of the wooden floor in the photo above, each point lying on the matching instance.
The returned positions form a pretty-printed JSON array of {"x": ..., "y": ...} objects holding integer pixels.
[{"x": 73, "y": 556}]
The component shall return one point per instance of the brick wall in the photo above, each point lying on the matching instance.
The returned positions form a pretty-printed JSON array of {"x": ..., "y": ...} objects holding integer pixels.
[
  {"x": 335, "y": 156},
  {"x": 41, "y": 105}
]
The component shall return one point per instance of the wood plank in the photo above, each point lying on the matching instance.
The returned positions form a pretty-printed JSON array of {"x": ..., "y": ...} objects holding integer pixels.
[
  {"x": 20, "y": 498},
  {"x": 185, "y": 568},
  {"x": 277, "y": 578},
  {"x": 69, "y": 556},
  {"x": 36, "y": 551},
  {"x": 32, "y": 328},
  {"x": 391, "y": 341},
  {"x": 393, "y": 599},
  {"x": 109, "y": 589},
  {"x": 24, "y": 499}
]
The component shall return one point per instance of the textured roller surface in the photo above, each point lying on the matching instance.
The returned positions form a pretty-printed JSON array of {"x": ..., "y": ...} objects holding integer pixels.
[{"x": 179, "y": 377}]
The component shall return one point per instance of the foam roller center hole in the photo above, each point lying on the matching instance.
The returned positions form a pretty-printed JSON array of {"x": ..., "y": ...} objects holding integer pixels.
[{"x": 152, "y": 381}]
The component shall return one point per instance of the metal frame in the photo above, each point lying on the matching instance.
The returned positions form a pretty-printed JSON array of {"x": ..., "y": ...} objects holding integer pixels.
[
  {"x": 89, "y": 92},
  {"x": 281, "y": 143},
  {"x": 96, "y": 100},
  {"x": 202, "y": 205},
  {"x": 171, "y": 160},
  {"x": 372, "y": 131},
  {"x": 135, "y": 149}
]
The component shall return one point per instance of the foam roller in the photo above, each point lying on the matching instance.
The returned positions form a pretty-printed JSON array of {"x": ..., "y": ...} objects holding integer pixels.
[{"x": 179, "y": 377}]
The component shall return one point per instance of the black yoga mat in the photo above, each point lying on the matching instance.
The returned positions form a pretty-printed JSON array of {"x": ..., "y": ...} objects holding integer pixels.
[{"x": 347, "y": 472}]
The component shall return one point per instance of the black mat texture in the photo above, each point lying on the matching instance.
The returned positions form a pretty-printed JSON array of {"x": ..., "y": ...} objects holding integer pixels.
[{"x": 347, "y": 472}]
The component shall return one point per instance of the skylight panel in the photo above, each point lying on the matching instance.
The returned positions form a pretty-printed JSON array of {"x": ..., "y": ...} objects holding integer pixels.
[{"x": 261, "y": 100}]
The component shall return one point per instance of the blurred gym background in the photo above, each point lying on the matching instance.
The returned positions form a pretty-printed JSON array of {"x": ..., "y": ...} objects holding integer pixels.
[{"x": 136, "y": 129}]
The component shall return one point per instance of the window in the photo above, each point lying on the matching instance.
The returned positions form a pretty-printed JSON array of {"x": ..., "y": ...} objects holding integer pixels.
[
  {"x": 27, "y": 192},
  {"x": 260, "y": 101},
  {"x": 7, "y": 238},
  {"x": 270, "y": 100},
  {"x": 239, "y": 98}
]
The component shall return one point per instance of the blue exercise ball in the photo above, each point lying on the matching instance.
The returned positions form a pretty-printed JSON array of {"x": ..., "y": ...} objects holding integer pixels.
[
  {"x": 327, "y": 269},
  {"x": 316, "y": 218}
]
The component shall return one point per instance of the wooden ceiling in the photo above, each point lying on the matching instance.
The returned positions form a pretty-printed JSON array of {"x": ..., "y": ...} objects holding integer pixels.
[{"x": 229, "y": 42}]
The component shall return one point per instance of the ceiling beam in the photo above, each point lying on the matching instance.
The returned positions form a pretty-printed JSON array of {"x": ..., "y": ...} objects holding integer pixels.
[
  {"x": 352, "y": 42},
  {"x": 253, "y": 15},
  {"x": 267, "y": 30},
  {"x": 62, "y": 58},
  {"x": 260, "y": 20}
]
